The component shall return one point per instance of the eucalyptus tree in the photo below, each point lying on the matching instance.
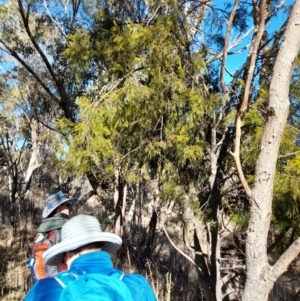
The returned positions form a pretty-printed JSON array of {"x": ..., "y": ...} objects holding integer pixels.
[
  {"x": 24, "y": 143},
  {"x": 38, "y": 85},
  {"x": 34, "y": 34}
]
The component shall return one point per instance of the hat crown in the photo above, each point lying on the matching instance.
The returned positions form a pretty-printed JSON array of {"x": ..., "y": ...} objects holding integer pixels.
[
  {"x": 55, "y": 198},
  {"x": 80, "y": 225},
  {"x": 81, "y": 230},
  {"x": 53, "y": 201}
]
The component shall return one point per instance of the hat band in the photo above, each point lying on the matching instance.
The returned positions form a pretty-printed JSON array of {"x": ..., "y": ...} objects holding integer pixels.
[
  {"x": 52, "y": 205},
  {"x": 52, "y": 201}
]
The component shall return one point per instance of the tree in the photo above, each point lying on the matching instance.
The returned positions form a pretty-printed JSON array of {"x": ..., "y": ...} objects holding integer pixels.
[
  {"x": 36, "y": 88},
  {"x": 167, "y": 135},
  {"x": 172, "y": 152},
  {"x": 260, "y": 274}
]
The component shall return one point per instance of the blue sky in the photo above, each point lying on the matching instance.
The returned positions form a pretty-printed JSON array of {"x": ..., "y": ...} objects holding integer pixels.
[{"x": 234, "y": 62}]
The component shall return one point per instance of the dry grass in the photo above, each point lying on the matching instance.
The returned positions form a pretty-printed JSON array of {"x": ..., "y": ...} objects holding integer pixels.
[{"x": 171, "y": 275}]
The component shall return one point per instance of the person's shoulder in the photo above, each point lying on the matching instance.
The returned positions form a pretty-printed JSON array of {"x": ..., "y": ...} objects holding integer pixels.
[
  {"x": 52, "y": 223},
  {"x": 66, "y": 277},
  {"x": 134, "y": 277},
  {"x": 89, "y": 286},
  {"x": 138, "y": 285},
  {"x": 44, "y": 290}
]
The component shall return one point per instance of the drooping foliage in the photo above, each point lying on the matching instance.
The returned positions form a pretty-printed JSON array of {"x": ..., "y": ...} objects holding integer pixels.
[{"x": 150, "y": 102}]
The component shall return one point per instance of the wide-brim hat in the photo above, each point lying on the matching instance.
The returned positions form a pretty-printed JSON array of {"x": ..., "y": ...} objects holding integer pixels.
[
  {"x": 53, "y": 201},
  {"x": 77, "y": 232}
]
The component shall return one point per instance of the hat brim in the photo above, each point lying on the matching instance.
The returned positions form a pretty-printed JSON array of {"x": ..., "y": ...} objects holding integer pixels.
[
  {"x": 54, "y": 255},
  {"x": 47, "y": 212}
]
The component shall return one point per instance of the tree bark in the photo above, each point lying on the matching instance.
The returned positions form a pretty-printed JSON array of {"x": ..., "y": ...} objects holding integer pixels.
[
  {"x": 117, "y": 201},
  {"x": 33, "y": 162},
  {"x": 261, "y": 275}
]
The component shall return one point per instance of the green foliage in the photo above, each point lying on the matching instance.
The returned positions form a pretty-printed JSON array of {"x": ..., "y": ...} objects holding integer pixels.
[
  {"x": 287, "y": 144},
  {"x": 229, "y": 119},
  {"x": 294, "y": 89},
  {"x": 172, "y": 191},
  {"x": 241, "y": 221},
  {"x": 148, "y": 117},
  {"x": 287, "y": 183},
  {"x": 212, "y": 104},
  {"x": 252, "y": 129},
  {"x": 286, "y": 205},
  {"x": 196, "y": 205},
  {"x": 87, "y": 142},
  {"x": 79, "y": 52}
]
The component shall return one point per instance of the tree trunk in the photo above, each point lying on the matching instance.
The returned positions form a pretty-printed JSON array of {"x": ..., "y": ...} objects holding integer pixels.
[
  {"x": 260, "y": 275},
  {"x": 33, "y": 162},
  {"x": 117, "y": 201}
]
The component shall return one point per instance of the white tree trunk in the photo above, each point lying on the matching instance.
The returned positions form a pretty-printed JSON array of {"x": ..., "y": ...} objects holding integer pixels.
[
  {"x": 33, "y": 162},
  {"x": 260, "y": 274}
]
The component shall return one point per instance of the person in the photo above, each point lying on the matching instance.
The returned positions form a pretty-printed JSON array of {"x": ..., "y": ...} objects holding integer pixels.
[
  {"x": 55, "y": 215},
  {"x": 91, "y": 276},
  {"x": 56, "y": 212}
]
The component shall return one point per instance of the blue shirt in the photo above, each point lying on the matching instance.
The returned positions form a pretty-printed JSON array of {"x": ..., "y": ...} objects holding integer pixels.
[{"x": 92, "y": 274}]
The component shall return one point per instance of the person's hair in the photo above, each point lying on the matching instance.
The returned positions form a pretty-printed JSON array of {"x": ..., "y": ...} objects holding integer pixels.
[{"x": 91, "y": 246}]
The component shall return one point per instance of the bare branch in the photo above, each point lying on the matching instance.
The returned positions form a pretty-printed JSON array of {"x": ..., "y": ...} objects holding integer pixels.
[
  {"x": 183, "y": 254},
  {"x": 25, "y": 19},
  {"x": 227, "y": 35},
  {"x": 29, "y": 69},
  {"x": 285, "y": 259},
  {"x": 244, "y": 105},
  {"x": 235, "y": 43},
  {"x": 288, "y": 155},
  {"x": 65, "y": 101},
  {"x": 277, "y": 8},
  {"x": 151, "y": 18},
  {"x": 54, "y": 20}
]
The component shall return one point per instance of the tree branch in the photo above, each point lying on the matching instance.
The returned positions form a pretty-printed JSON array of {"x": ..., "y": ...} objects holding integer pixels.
[
  {"x": 285, "y": 259},
  {"x": 30, "y": 70},
  {"x": 244, "y": 105},
  {"x": 25, "y": 19},
  {"x": 223, "y": 60},
  {"x": 64, "y": 98},
  {"x": 183, "y": 254},
  {"x": 288, "y": 155}
]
